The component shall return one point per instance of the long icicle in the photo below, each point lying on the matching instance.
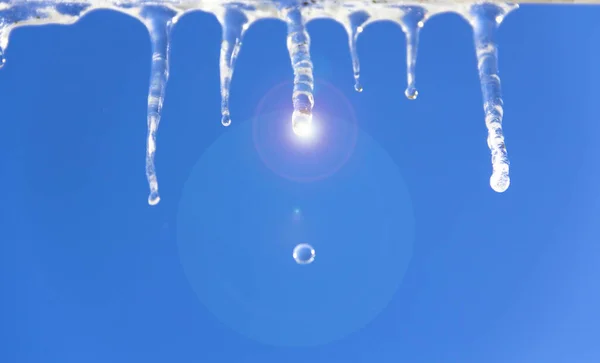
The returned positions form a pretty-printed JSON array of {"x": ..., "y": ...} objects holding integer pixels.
[
  {"x": 485, "y": 20},
  {"x": 354, "y": 26},
  {"x": 412, "y": 21},
  {"x": 159, "y": 22},
  {"x": 234, "y": 23},
  {"x": 298, "y": 44}
]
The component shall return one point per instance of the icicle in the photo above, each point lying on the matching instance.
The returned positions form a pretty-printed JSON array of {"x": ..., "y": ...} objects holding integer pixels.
[
  {"x": 159, "y": 22},
  {"x": 412, "y": 21},
  {"x": 485, "y": 20},
  {"x": 4, "y": 34},
  {"x": 354, "y": 26},
  {"x": 234, "y": 23},
  {"x": 298, "y": 44}
]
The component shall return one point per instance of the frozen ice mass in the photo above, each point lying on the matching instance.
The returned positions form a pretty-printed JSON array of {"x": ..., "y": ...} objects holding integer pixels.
[{"x": 160, "y": 16}]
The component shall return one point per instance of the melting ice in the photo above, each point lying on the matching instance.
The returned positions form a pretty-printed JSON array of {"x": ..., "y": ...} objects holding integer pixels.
[{"x": 235, "y": 17}]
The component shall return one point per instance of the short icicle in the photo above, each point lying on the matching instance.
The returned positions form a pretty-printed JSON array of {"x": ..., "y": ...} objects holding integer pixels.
[
  {"x": 298, "y": 44},
  {"x": 2, "y": 59},
  {"x": 354, "y": 26},
  {"x": 234, "y": 23},
  {"x": 411, "y": 22},
  {"x": 485, "y": 20},
  {"x": 4, "y": 34},
  {"x": 159, "y": 22}
]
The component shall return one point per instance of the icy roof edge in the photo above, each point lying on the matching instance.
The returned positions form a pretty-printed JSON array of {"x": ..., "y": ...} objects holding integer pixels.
[{"x": 17, "y": 13}]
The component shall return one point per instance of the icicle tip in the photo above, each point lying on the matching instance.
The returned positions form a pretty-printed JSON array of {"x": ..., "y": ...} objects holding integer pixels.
[
  {"x": 153, "y": 198},
  {"x": 302, "y": 124}
]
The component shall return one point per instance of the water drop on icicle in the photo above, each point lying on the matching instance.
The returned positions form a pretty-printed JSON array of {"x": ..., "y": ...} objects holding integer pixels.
[
  {"x": 485, "y": 20},
  {"x": 298, "y": 44},
  {"x": 354, "y": 26},
  {"x": 234, "y": 23},
  {"x": 412, "y": 21},
  {"x": 159, "y": 22}
]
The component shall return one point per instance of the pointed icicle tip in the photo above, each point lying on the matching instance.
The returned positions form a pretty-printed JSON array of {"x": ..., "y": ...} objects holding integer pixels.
[
  {"x": 355, "y": 25},
  {"x": 413, "y": 19},
  {"x": 159, "y": 21},
  {"x": 234, "y": 23}
]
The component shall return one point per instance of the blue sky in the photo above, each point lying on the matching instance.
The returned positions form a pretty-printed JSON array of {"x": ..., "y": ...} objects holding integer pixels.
[{"x": 418, "y": 260}]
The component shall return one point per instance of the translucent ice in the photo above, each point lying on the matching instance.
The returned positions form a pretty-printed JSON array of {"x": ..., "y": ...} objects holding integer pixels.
[
  {"x": 413, "y": 19},
  {"x": 298, "y": 44},
  {"x": 234, "y": 23},
  {"x": 354, "y": 26},
  {"x": 159, "y": 21},
  {"x": 236, "y": 16},
  {"x": 485, "y": 19}
]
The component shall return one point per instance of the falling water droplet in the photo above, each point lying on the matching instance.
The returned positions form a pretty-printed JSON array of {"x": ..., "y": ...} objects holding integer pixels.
[
  {"x": 304, "y": 254},
  {"x": 412, "y": 21},
  {"x": 354, "y": 26},
  {"x": 234, "y": 23},
  {"x": 159, "y": 22},
  {"x": 298, "y": 44},
  {"x": 485, "y": 20}
]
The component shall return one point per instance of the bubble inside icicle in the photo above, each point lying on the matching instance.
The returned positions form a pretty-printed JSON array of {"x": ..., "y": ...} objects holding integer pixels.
[
  {"x": 159, "y": 22},
  {"x": 412, "y": 21},
  {"x": 485, "y": 19},
  {"x": 354, "y": 26},
  {"x": 298, "y": 44},
  {"x": 234, "y": 23}
]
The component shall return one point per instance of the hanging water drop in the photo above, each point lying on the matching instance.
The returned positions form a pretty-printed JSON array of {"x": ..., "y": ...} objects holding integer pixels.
[
  {"x": 234, "y": 23},
  {"x": 298, "y": 44},
  {"x": 411, "y": 22},
  {"x": 354, "y": 26},
  {"x": 159, "y": 22},
  {"x": 485, "y": 20}
]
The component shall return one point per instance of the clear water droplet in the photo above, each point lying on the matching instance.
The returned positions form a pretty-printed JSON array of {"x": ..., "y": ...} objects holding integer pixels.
[
  {"x": 226, "y": 120},
  {"x": 304, "y": 254},
  {"x": 153, "y": 198},
  {"x": 411, "y": 93},
  {"x": 358, "y": 87}
]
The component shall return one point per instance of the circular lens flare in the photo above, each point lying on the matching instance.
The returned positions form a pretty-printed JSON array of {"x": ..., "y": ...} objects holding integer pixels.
[{"x": 313, "y": 146}]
